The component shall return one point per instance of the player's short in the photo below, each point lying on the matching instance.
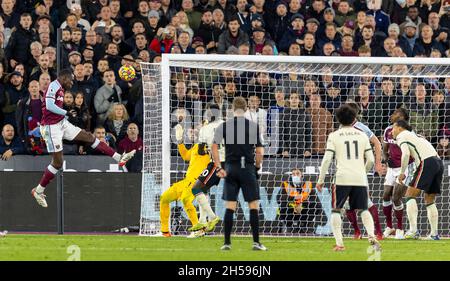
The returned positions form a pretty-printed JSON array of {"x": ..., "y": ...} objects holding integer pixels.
[
  {"x": 55, "y": 133},
  {"x": 238, "y": 178},
  {"x": 428, "y": 176},
  {"x": 357, "y": 197},
  {"x": 393, "y": 173},
  {"x": 209, "y": 177}
]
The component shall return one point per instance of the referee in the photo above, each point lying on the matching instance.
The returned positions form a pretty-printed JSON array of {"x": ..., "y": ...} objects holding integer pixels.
[{"x": 241, "y": 139}]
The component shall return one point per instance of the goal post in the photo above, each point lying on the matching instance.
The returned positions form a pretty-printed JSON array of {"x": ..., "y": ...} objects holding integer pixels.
[{"x": 293, "y": 100}]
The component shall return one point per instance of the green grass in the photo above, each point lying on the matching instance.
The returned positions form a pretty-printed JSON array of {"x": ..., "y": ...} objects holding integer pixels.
[{"x": 109, "y": 247}]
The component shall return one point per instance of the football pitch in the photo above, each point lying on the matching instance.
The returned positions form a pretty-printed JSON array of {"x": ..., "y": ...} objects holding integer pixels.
[{"x": 129, "y": 247}]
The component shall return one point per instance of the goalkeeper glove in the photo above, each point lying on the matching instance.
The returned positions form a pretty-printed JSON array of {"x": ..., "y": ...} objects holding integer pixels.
[{"x": 179, "y": 132}]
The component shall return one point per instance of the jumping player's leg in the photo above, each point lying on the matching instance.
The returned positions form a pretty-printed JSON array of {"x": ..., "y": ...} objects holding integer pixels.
[
  {"x": 47, "y": 177},
  {"x": 83, "y": 136}
]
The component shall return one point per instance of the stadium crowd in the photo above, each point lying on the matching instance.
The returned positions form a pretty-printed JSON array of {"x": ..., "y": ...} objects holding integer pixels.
[{"x": 100, "y": 36}]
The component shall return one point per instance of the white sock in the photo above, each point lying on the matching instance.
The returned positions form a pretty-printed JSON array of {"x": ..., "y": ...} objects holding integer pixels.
[
  {"x": 386, "y": 203},
  {"x": 202, "y": 218},
  {"x": 369, "y": 203},
  {"x": 40, "y": 189},
  {"x": 116, "y": 156},
  {"x": 412, "y": 211},
  {"x": 367, "y": 221},
  {"x": 95, "y": 144},
  {"x": 399, "y": 208},
  {"x": 336, "y": 226},
  {"x": 204, "y": 204},
  {"x": 433, "y": 218}
]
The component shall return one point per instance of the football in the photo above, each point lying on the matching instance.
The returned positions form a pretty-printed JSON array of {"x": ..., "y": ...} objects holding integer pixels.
[{"x": 127, "y": 73}]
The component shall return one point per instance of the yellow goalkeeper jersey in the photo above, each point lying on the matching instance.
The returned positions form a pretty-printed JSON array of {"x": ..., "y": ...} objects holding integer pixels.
[{"x": 197, "y": 162}]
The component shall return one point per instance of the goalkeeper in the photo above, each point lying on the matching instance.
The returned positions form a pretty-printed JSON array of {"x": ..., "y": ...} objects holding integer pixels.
[
  {"x": 182, "y": 190},
  {"x": 208, "y": 177}
]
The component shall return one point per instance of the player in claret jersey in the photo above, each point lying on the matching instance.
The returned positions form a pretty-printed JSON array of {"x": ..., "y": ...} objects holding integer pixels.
[
  {"x": 55, "y": 128},
  {"x": 393, "y": 191}
]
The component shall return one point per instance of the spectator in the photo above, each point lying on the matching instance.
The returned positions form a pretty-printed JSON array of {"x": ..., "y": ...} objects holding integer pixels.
[
  {"x": 263, "y": 86},
  {"x": 9, "y": 14},
  {"x": 280, "y": 22},
  {"x": 293, "y": 34},
  {"x": 328, "y": 49},
  {"x": 184, "y": 41},
  {"x": 363, "y": 100},
  {"x": 423, "y": 115},
  {"x": 382, "y": 19},
  {"x": 259, "y": 40},
  {"x": 296, "y": 209},
  {"x": 274, "y": 115},
  {"x": 367, "y": 39},
  {"x": 234, "y": 36},
  {"x": 76, "y": 13},
  {"x": 163, "y": 43},
  {"x": 344, "y": 13},
  {"x": 117, "y": 38},
  {"x": 258, "y": 115},
  {"x": 103, "y": 25},
  {"x": 18, "y": 45},
  {"x": 100, "y": 133},
  {"x": 312, "y": 25},
  {"x": 28, "y": 117},
  {"x": 193, "y": 16},
  {"x": 15, "y": 90},
  {"x": 321, "y": 125},
  {"x": 296, "y": 130},
  {"x": 218, "y": 98},
  {"x": 333, "y": 97},
  {"x": 106, "y": 96},
  {"x": 208, "y": 31},
  {"x": 309, "y": 45},
  {"x": 43, "y": 67},
  {"x": 443, "y": 147},
  {"x": 425, "y": 43},
  {"x": 383, "y": 106},
  {"x": 132, "y": 142},
  {"x": 294, "y": 49},
  {"x": 82, "y": 112},
  {"x": 117, "y": 121},
  {"x": 219, "y": 20},
  {"x": 10, "y": 144},
  {"x": 347, "y": 47},
  {"x": 331, "y": 36}
]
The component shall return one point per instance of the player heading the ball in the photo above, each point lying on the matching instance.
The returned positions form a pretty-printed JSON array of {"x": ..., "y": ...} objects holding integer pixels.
[{"x": 55, "y": 127}]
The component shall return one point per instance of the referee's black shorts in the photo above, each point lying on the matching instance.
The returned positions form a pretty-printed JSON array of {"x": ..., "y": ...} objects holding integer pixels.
[
  {"x": 428, "y": 176},
  {"x": 357, "y": 197},
  {"x": 237, "y": 178}
]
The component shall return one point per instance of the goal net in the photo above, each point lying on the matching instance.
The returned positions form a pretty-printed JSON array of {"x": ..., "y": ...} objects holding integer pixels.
[{"x": 293, "y": 100}]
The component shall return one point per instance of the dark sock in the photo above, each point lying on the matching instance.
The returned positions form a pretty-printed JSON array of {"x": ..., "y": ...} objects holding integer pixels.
[
  {"x": 254, "y": 223},
  {"x": 228, "y": 221},
  {"x": 351, "y": 216},
  {"x": 387, "y": 211},
  {"x": 47, "y": 177},
  {"x": 376, "y": 220},
  {"x": 399, "y": 216}
]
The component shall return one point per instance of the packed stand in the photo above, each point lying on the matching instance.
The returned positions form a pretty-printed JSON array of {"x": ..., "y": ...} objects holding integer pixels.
[{"x": 98, "y": 37}]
